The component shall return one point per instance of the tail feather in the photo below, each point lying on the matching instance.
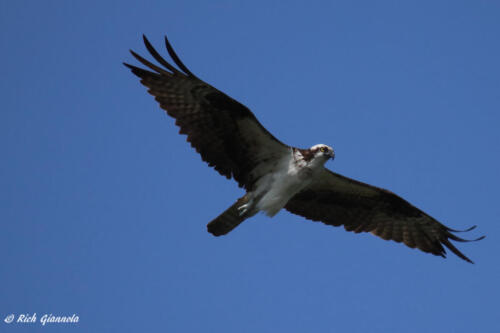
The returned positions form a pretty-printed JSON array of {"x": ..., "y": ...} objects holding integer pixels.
[{"x": 228, "y": 220}]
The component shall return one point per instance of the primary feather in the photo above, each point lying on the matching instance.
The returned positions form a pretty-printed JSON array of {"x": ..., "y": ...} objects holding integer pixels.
[{"x": 230, "y": 139}]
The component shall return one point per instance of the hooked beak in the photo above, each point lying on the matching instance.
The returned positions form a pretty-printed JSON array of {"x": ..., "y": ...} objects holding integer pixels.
[{"x": 332, "y": 155}]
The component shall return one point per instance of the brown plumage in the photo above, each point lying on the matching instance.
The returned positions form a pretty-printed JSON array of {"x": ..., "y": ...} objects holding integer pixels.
[
  {"x": 230, "y": 219},
  {"x": 337, "y": 200},
  {"x": 230, "y": 139},
  {"x": 224, "y": 132}
]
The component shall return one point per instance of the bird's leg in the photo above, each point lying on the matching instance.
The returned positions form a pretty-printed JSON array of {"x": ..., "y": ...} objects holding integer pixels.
[
  {"x": 243, "y": 209},
  {"x": 246, "y": 208}
]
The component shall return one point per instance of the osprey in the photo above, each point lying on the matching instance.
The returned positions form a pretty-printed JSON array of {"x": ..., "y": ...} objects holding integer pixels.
[{"x": 230, "y": 139}]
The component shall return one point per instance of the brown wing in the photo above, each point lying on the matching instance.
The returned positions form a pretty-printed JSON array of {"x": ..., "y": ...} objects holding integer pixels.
[
  {"x": 226, "y": 134},
  {"x": 337, "y": 200}
]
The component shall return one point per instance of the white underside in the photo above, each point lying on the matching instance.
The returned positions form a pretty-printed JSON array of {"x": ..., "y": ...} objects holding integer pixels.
[
  {"x": 285, "y": 186},
  {"x": 275, "y": 189}
]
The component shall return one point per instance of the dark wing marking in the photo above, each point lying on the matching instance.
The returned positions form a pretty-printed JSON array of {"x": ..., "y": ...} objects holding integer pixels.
[
  {"x": 337, "y": 200},
  {"x": 226, "y": 133}
]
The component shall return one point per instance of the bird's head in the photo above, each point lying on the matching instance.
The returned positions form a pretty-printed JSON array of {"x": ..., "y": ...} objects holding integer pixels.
[{"x": 322, "y": 152}]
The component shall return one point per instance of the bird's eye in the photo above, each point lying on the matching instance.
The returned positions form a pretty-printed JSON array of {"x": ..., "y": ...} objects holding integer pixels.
[{"x": 323, "y": 149}]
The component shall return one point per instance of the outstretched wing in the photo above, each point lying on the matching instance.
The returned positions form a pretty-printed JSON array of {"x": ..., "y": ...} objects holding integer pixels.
[
  {"x": 226, "y": 133},
  {"x": 337, "y": 200}
]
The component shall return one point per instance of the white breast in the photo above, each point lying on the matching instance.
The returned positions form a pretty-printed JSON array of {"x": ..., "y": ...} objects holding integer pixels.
[{"x": 274, "y": 190}]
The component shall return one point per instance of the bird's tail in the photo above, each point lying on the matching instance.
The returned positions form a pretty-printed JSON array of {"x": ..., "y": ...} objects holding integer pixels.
[{"x": 228, "y": 220}]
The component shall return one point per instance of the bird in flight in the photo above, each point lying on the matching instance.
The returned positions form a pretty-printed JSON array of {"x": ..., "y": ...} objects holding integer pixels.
[{"x": 230, "y": 139}]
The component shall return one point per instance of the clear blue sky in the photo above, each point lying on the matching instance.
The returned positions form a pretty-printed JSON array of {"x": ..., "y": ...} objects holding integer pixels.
[{"x": 103, "y": 206}]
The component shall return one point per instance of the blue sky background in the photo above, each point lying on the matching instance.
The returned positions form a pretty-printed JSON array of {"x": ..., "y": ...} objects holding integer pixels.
[{"x": 103, "y": 205}]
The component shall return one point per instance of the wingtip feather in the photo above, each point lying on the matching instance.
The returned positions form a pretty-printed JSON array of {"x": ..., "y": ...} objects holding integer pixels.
[
  {"x": 176, "y": 58},
  {"x": 157, "y": 56},
  {"x": 453, "y": 249},
  {"x": 465, "y": 230}
]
